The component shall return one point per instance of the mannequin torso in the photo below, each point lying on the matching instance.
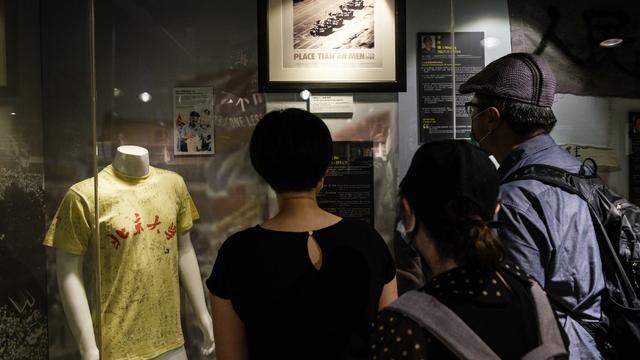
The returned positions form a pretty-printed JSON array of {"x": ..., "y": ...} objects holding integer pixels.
[{"x": 129, "y": 162}]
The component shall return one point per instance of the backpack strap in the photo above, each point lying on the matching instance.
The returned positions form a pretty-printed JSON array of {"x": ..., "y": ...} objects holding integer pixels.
[
  {"x": 443, "y": 324},
  {"x": 446, "y": 326},
  {"x": 549, "y": 175},
  {"x": 551, "y": 343},
  {"x": 612, "y": 267}
]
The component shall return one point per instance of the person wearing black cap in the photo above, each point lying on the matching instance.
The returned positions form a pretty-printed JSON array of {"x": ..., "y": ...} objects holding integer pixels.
[
  {"x": 449, "y": 198},
  {"x": 545, "y": 230}
]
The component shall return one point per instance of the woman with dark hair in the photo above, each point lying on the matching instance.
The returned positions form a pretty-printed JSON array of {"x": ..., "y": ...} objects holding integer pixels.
[
  {"x": 474, "y": 306},
  {"x": 305, "y": 284}
]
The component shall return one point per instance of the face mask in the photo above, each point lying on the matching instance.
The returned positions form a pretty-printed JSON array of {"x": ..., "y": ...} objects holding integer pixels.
[
  {"x": 406, "y": 234},
  {"x": 473, "y": 140}
]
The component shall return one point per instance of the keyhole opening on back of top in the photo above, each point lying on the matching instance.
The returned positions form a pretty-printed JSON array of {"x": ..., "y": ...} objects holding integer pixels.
[{"x": 314, "y": 251}]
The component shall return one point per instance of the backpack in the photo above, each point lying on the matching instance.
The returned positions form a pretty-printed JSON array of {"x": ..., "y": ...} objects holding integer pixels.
[
  {"x": 617, "y": 225},
  {"x": 452, "y": 332}
]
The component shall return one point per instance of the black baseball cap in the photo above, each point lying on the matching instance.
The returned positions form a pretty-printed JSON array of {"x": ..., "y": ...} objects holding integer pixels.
[{"x": 442, "y": 171}]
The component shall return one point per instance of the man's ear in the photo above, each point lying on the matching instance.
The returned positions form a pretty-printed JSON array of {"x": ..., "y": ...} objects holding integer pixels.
[
  {"x": 498, "y": 206},
  {"x": 409, "y": 216},
  {"x": 494, "y": 115}
]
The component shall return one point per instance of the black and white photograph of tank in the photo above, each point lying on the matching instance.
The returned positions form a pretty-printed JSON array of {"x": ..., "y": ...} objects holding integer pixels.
[{"x": 333, "y": 24}]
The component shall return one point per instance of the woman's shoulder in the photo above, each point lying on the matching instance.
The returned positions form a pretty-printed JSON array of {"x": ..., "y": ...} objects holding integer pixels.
[
  {"x": 359, "y": 234},
  {"x": 357, "y": 227},
  {"x": 241, "y": 238},
  {"x": 514, "y": 273},
  {"x": 394, "y": 335}
]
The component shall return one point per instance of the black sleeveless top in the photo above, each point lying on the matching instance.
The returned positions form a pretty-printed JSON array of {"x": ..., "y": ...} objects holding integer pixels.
[{"x": 290, "y": 309}]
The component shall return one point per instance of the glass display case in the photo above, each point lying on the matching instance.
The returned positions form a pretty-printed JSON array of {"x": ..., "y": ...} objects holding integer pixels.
[{"x": 79, "y": 79}]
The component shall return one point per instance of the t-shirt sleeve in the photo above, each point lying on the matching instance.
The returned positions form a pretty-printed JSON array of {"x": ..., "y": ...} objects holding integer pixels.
[
  {"x": 220, "y": 281},
  {"x": 70, "y": 229},
  {"x": 385, "y": 260},
  {"x": 187, "y": 213}
]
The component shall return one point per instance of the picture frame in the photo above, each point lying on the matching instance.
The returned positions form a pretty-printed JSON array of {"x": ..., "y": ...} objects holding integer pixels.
[
  {"x": 331, "y": 45},
  {"x": 193, "y": 127}
]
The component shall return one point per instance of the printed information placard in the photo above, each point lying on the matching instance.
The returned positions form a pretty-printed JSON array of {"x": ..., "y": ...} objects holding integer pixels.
[
  {"x": 434, "y": 83},
  {"x": 348, "y": 186}
]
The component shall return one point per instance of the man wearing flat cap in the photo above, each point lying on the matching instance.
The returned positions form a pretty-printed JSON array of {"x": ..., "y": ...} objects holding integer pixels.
[{"x": 545, "y": 230}]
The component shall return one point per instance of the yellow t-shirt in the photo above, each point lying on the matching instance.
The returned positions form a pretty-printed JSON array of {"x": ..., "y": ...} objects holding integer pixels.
[{"x": 140, "y": 219}]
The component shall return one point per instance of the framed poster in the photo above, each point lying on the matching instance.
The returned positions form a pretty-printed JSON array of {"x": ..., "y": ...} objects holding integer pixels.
[
  {"x": 193, "y": 121},
  {"x": 331, "y": 45},
  {"x": 435, "y": 84}
]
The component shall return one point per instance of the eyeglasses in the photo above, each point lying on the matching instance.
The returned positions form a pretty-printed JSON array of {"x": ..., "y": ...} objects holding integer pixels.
[{"x": 469, "y": 105}]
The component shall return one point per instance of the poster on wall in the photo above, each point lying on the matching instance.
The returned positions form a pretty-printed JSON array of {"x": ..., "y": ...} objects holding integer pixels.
[
  {"x": 634, "y": 158},
  {"x": 331, "y": 45},
  {"x": 348, "y": 186},
  {"x": 434, "y": 83},
  {"x": 193, "y": 115}
]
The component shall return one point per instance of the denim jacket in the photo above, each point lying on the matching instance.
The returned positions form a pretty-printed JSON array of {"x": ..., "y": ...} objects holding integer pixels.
[{"x": 549, "y": 233}]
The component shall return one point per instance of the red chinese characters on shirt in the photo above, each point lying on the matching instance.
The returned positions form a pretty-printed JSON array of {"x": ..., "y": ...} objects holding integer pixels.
[
  {"x": 171, "y": 231},
  {"x": 114, "y": 241},
  {"x": 155, "y": 224},
  {"x": 139, "y": 227},
  {"x": 123, "y": 233}
]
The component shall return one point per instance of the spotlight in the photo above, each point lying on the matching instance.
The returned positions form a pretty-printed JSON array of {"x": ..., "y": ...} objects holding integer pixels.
[
  {"x": 305, "y": 94},
  {"x": 144, "y": 97},
  {"x": 490, "y": 42},
  {"x": 611, "y": 43}
]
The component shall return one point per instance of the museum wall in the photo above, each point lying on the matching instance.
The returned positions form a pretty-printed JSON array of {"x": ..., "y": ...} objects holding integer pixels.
[
  {"x": 23, "y": 292},
  {"x": 590, "y": 112},
  {"x": 67, "y": 138},
  {"x": 490, "y": 17},
  {"x": 597, "y": 86}
]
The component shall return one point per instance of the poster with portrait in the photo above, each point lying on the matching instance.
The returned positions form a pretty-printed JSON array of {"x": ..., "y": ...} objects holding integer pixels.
[
  {"x": 435, "y": 82},
  {"x": 193, "y": 131},
  {"x": 332, "y": 45}
]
